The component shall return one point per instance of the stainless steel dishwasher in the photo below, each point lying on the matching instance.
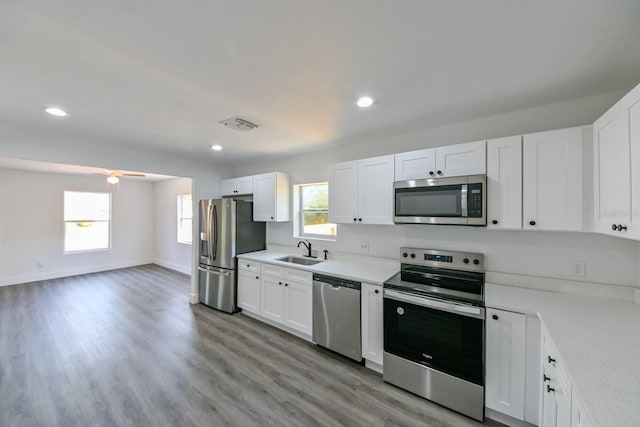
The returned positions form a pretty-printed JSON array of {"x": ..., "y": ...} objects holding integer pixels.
[{"x": 336, "y": 315}]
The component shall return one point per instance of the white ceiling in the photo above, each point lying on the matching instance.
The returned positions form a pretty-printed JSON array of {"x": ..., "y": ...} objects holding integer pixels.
[{"x": 160, "y": 74}]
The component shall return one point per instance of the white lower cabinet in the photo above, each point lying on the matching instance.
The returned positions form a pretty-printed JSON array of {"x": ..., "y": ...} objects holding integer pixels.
[
  {"x": 287, "y": 297},
  {"x": 372, "y": 327},
  {"x": 272, "y": 306},
  {"x": 505, "y": 363},
  {"x": 249, "y": 291},
  {"x": 298, "y": 306}
]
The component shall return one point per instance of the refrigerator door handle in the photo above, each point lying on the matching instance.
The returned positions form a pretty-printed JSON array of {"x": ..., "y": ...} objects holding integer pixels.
[
  {"x": 215, "y": 232},
  {"x": 218, "y": 273}
]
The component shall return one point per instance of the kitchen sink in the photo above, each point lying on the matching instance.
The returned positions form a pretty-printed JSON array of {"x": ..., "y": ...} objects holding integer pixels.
[{"x": 301, "y": 261}]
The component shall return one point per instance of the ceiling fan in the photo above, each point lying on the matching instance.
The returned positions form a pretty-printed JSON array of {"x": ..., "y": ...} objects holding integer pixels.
[{"x": 113, "y": 175}]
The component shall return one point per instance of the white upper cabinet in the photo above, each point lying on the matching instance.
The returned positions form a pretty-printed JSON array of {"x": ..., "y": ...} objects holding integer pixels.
[
  {"x": 631, "y": 108},
  {"x": 419, "y": 164},
  {"x": 616, "y": 142},
  {"x": 461, "y": 159},
  {"x": 237, "y": 186},
  {"x": 612, "y": 179},
  {"x": 343, "y": 191},
  {"x": 361, "y": 191},
  {"x": 447, "y": 161},
  {"x": 552, "y": 180},
  {"x": 271, "y": 197},
  {"x": 504, "y": 183}
]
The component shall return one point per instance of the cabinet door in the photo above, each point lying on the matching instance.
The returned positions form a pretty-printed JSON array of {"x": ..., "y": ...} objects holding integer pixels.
[
  {"x": 372, "y": 327},
  {"x": 237, "y": 186},
  {"x": 298, "y": 305},
  {"x": 375, "y": 190},
  {"x": 272, "y": 304},
  {"x": 504, "y": 183},
  {"x": 552, "y": 180},
  {"x": 419, "y": 164},
  {"x": 264, "y": 197},
  {"x": 631, "y": 110},
  {"x": 612, "y": 174},
  {"x": 462, "y": 159},
  {"x": 249, "y": 291},
  {"x": 343, "y": 193},
  {"x": 505, "y": 364}
]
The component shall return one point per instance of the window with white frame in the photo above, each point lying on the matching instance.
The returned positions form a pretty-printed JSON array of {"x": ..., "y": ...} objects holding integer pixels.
[
  {"x": 185, "y": 218},
  {"x": 87, "y": 221},
  {"x": 312, "y": 206}
]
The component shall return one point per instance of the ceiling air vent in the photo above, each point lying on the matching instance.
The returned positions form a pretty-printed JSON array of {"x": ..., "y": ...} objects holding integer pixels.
[{"x": 239, "y": 123}]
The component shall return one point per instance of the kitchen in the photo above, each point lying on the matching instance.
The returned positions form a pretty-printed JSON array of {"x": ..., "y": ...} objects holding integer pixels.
[{"x": 391, "y": 129}]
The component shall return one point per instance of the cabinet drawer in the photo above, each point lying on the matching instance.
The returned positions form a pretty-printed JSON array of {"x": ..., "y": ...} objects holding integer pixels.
[
  {"x": 273, "y": 270},
  {"x": 247, "y": 265},
  {"x": 299, "y": 276}
]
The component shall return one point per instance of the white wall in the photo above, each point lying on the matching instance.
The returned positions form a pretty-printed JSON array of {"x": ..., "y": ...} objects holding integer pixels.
[
  {"x": 90, "y": 151},
  {"x": 168, "y": 252},
  {"x": 608, "y": 259},
  {"x": 32, "y": 227}
]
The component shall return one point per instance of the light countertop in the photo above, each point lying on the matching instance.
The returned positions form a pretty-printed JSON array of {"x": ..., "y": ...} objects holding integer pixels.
[
  {"x": 599, "y": 340},
  {"x": 359, "y": 268}
]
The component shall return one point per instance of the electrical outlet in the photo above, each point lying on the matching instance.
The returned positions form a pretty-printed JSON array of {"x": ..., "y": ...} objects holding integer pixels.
[
  {"x": 364, "y": 246},
  {"x": 577, "y": 268}
]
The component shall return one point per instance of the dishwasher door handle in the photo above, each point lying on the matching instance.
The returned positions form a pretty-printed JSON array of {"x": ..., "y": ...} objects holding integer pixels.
[{"x": 337, "y": 288}]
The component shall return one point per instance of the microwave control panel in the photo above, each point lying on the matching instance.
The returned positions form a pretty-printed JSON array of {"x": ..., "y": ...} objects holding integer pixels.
[{"x": 474, "y": 201}]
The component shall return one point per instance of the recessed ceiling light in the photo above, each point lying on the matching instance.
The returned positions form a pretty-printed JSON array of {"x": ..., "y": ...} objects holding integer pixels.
[
  {"x": 55, "y": 111},
  {"x": 364, "y": 102},
  {"x": 216, "y": 147}
]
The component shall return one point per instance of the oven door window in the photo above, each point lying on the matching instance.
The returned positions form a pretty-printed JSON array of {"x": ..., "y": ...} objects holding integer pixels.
[
  {"x": 450, "y": 343},
  {"x": 438, "y": 201}
]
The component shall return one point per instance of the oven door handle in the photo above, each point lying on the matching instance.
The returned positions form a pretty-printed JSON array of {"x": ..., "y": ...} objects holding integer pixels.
[{"x": 463, "y": 310}]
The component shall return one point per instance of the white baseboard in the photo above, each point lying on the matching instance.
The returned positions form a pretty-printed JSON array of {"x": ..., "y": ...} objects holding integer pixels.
[
  {"x": 27, "y": 278},
  {"x": 278, "y": 325},
  {"x": 173, "y": 266}
]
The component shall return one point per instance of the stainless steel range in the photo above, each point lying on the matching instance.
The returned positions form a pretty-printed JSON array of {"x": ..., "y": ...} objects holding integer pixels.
[{"x": 434, "y": 328}]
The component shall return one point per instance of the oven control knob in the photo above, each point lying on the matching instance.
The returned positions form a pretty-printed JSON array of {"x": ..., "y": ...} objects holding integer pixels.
[
  {"x": 466, "y": 260},
  {"x": 476, "y": 262},
  {"x": 413, "y": 255},
  {"x": 400, "y": 311},
  {"x": 404, "y": 255}
]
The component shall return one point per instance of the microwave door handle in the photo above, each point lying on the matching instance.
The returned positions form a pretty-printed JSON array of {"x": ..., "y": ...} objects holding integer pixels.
[
  {"x": 464, "y": 188},
  {"x": 463, "y": 310}
]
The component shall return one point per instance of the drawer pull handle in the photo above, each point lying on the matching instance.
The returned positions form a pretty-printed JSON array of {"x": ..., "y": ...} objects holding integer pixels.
[
  {"x": 545, "y": 378},
  {"x": 552, "y": 360},
  {"x": 550, "y": 389}
]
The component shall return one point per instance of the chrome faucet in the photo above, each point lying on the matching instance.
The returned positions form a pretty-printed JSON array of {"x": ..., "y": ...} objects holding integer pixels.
[{"x": 307, "y": 244}]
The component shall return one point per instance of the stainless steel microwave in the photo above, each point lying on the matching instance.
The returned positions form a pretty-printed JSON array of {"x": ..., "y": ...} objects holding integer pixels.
[{"x": 459, "y": 200}]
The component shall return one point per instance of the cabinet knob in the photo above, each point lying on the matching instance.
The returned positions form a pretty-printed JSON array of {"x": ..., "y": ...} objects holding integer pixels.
[
  {"x": 257, "y": 277},
  {"x": 355, "y": 219},
  {"x": 248, "y": 265},
  {"x": 431, "y": 173},
  {"x": 271, "y": 217},
  {"x": 495, "y": 317},
  {"x": 494, "y": 222},
  {"x": 439, "y": 172},
  {"x": 359, "y": 219},
  {"x": 532, "y": 223},
  {"x": 279, "y": 283},
  {"x": 377, "y": 291},
  {"x": 286, "y": 284},
  {"x": 550, "y": 389},
  {"x": 551, "y": 360},
  {"x": 620, "y": 227}
]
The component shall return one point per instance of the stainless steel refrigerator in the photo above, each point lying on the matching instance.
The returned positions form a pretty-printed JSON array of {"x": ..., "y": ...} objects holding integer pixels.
[{"x": 227, "y": 229}]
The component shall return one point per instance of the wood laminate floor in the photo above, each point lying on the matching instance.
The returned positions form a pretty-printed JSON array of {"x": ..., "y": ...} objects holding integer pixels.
[{"x": 125, "y": 348}]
